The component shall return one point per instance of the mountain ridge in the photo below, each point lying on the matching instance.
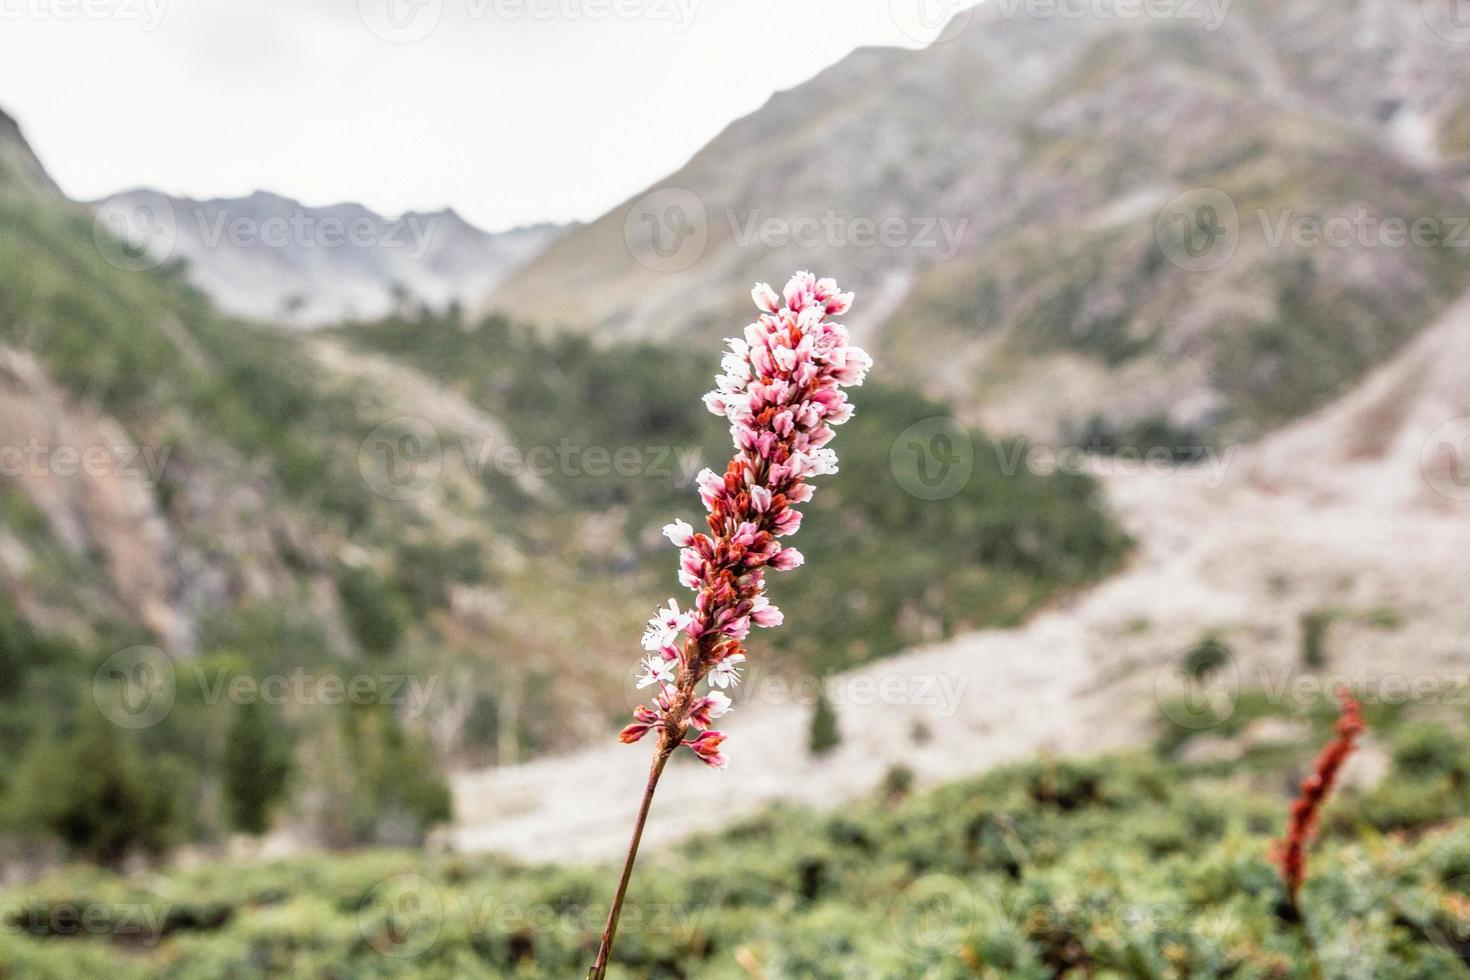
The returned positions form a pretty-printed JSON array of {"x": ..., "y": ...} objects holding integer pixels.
[
  {"x": 1038, "y": 140},
  {"x": 270, "y": 257}
]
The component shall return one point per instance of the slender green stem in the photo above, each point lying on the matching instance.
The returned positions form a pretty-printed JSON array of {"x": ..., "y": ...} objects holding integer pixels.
[
  {"x": 609, "y": 932},
  {"x": 1314, "y": 961}
]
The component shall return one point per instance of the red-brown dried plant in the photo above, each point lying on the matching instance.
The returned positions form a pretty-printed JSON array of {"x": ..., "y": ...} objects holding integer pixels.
[{"x": 1291, "y": 853}]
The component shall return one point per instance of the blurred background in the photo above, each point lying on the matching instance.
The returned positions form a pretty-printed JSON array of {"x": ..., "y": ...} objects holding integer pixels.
[{"x": 351, "y": 358}]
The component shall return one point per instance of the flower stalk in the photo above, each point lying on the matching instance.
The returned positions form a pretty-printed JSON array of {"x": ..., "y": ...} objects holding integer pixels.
[
  {"x": 781, "y": 390},
  {"x": 1291, "y": 852}
]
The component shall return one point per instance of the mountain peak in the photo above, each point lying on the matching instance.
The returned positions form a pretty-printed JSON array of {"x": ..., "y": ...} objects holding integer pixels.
[{"x": 19, "y": 164}]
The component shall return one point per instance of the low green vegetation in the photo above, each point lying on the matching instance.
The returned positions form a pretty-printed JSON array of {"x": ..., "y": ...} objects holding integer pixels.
[{"x": 1134, "y": 865}]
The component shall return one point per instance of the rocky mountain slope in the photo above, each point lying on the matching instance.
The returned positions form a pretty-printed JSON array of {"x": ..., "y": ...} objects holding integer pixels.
[
  {"x": 1193, "y": 220},
  {"x": 268, "y": 257}
]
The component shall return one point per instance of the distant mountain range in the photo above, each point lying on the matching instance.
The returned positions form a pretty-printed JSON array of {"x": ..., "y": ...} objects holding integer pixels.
[
  {"x": 273, "y": 258},
  {"x": 1017, "y": 205}
]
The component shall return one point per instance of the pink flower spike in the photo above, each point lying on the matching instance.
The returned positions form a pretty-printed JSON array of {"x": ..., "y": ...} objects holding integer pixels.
[
  {"x": 656, "y": 670},
  {"x": 707, "y": 747},
  {"x": 765, "y": 298},
  {"x": 786, "y": 559},
  {"x": 780, "y": 388},
  {"x": 680, "y": 533},
  {"x": 633, "y": 733},
  {"x": 798, "y": 291},
  {"x": 763, "y": 614},
  {"x": 708, "y": 708},
  {"x": 726, "y": 673}
]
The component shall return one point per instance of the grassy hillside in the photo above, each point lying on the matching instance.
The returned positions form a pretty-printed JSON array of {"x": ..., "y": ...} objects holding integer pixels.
[
  {"x": 270, "y": 539},
  {"x": 1142, "y": 866}
]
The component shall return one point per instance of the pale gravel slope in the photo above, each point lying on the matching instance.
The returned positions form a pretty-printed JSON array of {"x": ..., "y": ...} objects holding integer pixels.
[{"x": 1333, "y": 512}]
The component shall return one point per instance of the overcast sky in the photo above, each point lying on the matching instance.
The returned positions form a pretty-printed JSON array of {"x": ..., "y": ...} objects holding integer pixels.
[{"x": 511, "y": 111}]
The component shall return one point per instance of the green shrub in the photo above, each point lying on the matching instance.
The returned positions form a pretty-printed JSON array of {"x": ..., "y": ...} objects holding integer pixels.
[
  {"x": 1315, "y": 625},
  {"x": 95, "y": 792},
  {"x": 823, "y": 735},
  {"x": 256, "y": 766}
]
